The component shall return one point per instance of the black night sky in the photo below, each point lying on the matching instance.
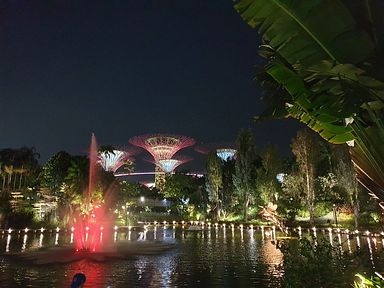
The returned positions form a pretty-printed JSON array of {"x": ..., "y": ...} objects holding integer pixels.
[{"x": 126, "y": 67}]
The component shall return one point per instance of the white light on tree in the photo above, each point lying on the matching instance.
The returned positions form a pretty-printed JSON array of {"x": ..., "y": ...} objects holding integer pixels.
[
  {"x": 280, "y": 177},
  {"x": 226, "y": 153},
  {"x": 112, "y": 160}
]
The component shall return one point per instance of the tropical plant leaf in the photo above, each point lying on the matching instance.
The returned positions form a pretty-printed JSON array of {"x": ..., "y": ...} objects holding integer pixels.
[
  {"x": 307, "y": 32},
  {"x": 336, "y": 134},
  {"x": 344, "y": 73},
  {"x": 307, "y": 99}
]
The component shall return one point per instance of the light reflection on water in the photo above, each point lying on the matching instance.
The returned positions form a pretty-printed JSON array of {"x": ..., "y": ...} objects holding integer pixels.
[
  {"x": 8, "y": 243},
  {"x": 24, "y": 242},
  {"x": 212, "y": 257},
  {"x": 41, "y": 240}
]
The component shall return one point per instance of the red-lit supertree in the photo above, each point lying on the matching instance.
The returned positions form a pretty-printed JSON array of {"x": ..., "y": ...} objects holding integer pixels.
[{"x": 162, "y": 146}]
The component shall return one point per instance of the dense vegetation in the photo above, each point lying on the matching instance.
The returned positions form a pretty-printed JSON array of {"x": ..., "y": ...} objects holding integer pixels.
[{"x": 317, "y": 184}]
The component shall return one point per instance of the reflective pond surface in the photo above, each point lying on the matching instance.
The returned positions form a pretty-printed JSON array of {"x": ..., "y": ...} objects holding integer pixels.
[{"x": 209, "y": 258}]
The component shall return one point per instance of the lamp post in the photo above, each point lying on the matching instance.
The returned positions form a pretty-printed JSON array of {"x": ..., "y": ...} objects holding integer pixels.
[
  {"x": 335, "y": 213},
  {"x": 126, "y": 216},
  {"x": 125, "y": 209}
]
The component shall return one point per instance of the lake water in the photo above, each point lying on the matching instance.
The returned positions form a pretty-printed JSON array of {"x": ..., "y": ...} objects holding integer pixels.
[{"x": 210, "y": 258}]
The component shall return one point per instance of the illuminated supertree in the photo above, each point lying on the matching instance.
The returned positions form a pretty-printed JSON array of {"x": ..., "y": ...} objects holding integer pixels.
[
  {"x": 223, "y": 151},
  {"x": 226, "y": 153},
  {"x": 112, "y": 160},
  {"x": 169, "y": 165},
  {"x": 162, "y": 146}
]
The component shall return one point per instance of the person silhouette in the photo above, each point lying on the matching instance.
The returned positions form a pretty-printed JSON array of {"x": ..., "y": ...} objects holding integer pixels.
[{"x": 78, "y": 280}]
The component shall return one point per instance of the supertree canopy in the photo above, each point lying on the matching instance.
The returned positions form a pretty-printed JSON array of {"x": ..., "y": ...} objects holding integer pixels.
[
  {"x": 112, "y": 160},
  {"x": 162, "y": 146},
  {"x": 223, "y": 151},
  {"x": 169, "y": 165},
  {"x": 226, "y": 153}
]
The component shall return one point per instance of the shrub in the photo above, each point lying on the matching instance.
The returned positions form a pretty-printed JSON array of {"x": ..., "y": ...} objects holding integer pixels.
[{"x": 376, "y": 281}]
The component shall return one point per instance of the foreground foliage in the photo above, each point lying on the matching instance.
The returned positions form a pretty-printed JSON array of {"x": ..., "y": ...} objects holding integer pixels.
[
  {"x": 376, "y": 281},
  {"x": 327, "y": 74}
]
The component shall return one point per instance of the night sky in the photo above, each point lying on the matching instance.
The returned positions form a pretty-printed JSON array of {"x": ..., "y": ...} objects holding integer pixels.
[{"x": 128, "y": 67}]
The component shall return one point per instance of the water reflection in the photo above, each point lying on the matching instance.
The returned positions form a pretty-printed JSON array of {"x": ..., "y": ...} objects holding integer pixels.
[
  {"x": 271, "y": 257},
  {"x": 340, "y": 244},
  {"x": 229, "y": 257},
  {"x": 8, "y": 243},
  {"x": 41, "y": 240},
  {"x": 349, "y": 244},
  {"x": 370, "y": 252},
  {"x": 262, "y": 232},
  {"x": 330, "y": 236},
  {"x": 24, "y": 242},
  {"x": 274, "y": 232},
  {"x": 251, "y": 236}
]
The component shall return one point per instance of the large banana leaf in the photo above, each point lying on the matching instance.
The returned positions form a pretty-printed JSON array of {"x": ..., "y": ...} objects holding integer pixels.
[
  {"x": 325, "y": 71},
  {"x": 306, "y": 32},
  {"x": 316, "y": 116}
]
